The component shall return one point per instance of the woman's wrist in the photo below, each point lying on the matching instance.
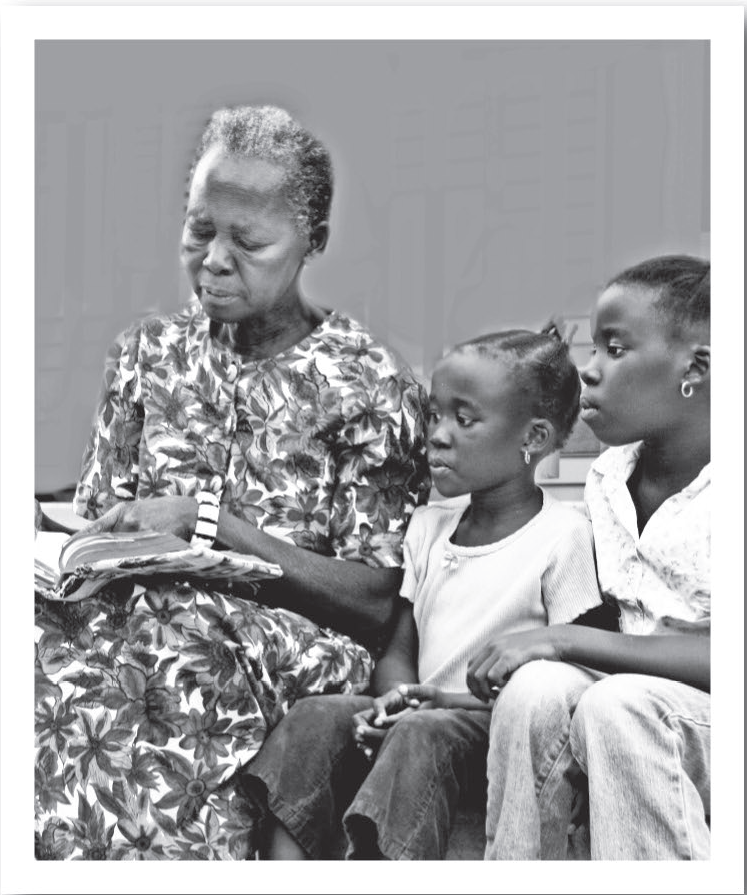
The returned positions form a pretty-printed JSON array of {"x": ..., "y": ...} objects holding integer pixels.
[{"x": 206, "y": 523}]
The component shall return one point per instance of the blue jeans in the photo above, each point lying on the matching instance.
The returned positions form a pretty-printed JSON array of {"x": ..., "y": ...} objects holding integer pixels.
[
  {"x": 401, "y": 807},
  {"x": 640, "y": 743}
]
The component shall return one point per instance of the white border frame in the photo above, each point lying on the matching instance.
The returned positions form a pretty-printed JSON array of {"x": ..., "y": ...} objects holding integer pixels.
[{"x": 21, "y": 25}]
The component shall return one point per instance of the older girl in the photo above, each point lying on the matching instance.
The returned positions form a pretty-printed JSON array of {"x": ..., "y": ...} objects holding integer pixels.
[{"x": 627, "y": 713}]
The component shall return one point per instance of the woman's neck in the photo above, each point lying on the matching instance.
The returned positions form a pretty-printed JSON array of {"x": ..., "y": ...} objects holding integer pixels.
[
  {"x": 495, "y": 514},
  {"x": 268, "y": 336}
]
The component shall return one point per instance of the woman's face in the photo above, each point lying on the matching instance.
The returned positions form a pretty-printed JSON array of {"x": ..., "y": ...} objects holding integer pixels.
[
  {"x": 240, "y": 246},
  {"x": 632, "y": 381}
]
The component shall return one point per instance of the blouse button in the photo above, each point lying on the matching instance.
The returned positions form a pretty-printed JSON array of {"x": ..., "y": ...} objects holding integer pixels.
[{"x": 232, "y": 372}]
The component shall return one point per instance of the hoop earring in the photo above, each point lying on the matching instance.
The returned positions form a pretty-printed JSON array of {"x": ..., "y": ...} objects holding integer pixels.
[
  {"x": 686, "y": 389},
  {"x": 527, "y": 458}
]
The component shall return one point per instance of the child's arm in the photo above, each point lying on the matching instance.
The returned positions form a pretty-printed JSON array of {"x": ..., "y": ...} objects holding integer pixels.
[
  {"x": 399, "y": 664},
  {"x": 425, "y": 696},
  {"x": 680, "y": 657}
]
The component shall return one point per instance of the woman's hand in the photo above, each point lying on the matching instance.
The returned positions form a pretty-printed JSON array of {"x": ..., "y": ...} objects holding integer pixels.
[
  {"x": 177, "y": 515},
  {"x": 490, "y": 669},
  {"x": 371, "y": 725}
]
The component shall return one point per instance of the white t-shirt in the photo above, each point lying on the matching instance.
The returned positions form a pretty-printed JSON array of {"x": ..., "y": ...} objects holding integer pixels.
[
  {"x": 463, "y": 597},
  {"x": 660, "y": 579}
]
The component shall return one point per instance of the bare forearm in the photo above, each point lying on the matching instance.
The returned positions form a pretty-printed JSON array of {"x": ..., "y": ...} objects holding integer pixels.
[
  {"x": 465, "y": 701},
  {"x": 390, "y": 672},
  {"x": 685, "y": 658},
  {"x": 348, "y": 596}
]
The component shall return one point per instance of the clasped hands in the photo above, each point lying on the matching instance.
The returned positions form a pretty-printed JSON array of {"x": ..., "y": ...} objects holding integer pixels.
[
  {"x": 487, "y": 674},
  {"x": 371, "y": 725}
]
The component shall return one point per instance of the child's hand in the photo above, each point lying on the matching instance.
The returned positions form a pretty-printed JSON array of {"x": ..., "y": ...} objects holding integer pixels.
[
  {"x": 371, "y": 725},
  {"x": 424, "y": 696},
  {"x": 489, "y": 671}
]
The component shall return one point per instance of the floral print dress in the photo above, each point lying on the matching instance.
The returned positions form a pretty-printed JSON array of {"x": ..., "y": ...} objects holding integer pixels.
[{"x": 149, "y": 697}]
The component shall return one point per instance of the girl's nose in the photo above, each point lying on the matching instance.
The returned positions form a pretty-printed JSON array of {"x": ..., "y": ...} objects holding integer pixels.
[
  {"x": 218, "y": 258},
  {"x": 437, "y": 435},
  {"x": 589, "y": 373}
]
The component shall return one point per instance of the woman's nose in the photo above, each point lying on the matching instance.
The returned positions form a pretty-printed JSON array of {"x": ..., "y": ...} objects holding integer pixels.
[{"x": 218, "y": 258}]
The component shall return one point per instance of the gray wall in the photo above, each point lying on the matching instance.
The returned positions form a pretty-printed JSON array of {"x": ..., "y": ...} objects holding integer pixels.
[{"x": 478, "y": 185}]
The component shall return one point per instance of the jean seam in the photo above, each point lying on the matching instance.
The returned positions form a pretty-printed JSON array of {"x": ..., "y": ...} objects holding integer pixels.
[
  {"x": 549, "y": 774},
  {"x": 680, "y": 773}
]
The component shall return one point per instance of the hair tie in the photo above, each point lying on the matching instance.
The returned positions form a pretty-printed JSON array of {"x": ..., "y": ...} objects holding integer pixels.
[{"x": 557, "y": 329}]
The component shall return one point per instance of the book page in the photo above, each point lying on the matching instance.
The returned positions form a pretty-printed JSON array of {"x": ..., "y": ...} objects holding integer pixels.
[{"x": 47, "y": 547}]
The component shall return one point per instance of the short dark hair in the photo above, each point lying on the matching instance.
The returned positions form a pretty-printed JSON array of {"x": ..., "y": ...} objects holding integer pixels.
[
  {"x": 270, "y": 133},
  {"x": 542, "y": 366},
  {"x": 684, "y": 286}
]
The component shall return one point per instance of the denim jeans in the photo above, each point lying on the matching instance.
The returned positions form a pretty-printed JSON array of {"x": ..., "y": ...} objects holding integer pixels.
[
  {"x": 640, "y": 743},
  {"x": 401, "y": 807}
]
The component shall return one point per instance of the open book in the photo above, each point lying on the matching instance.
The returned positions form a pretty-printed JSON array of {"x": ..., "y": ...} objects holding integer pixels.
[{"x": 88, "y": 562}]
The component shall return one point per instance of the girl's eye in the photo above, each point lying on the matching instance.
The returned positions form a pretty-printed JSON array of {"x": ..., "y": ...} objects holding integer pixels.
[
  {"x": 433, "y": 417},
  {"x": 464, "y": 421},
  {"x": 615, "y": 350}
]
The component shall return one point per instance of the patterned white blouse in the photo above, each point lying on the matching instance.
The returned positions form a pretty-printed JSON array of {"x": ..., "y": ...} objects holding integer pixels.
[{"x": 661, "y": 578}]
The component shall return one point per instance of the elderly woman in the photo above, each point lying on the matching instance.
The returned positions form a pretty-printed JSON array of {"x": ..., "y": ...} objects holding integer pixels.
[{"x": 295, "y": 436}]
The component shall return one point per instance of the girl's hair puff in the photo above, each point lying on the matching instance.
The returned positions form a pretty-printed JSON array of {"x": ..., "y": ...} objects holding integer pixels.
[
  {"x": 270, "y": 133},
  {"x": 542, "y": 368},
  {"x": 684, "y": 286}
]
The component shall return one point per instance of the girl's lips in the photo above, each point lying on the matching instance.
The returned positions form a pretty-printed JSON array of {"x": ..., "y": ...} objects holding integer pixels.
[
  {"x": 588, "y": 413},
  {"x": 589, "y": 410}
]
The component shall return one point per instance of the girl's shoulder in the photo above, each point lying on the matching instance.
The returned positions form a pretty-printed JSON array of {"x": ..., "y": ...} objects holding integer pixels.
[
  {"x": 564, "y": 520},
  {"x": 437, "y": 514}
]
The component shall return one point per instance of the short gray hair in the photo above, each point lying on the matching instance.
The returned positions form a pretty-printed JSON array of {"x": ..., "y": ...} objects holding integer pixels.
[{"x": 270, "y": 133}]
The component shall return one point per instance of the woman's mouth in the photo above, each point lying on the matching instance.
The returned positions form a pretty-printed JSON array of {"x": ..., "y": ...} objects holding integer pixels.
[
  {"x": 438, "y": 466},
  {"x": 220, "y": 295}
]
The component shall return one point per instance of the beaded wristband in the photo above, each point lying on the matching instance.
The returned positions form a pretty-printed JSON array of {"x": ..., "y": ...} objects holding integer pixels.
[{"x": 206, "y": 529}]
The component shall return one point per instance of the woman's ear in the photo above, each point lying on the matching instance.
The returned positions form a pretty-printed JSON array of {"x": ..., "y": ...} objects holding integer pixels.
[
  {"x": 699, "y": 369},
  {"x": 540, "y": 436},
  {"x": 318, "y": 239}
]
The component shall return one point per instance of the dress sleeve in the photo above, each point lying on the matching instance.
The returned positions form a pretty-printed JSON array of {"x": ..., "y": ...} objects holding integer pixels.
[
  {"x": 109, "y": 471},
  {"x": 382, "y": 472},
  {"x": 569, "y": 583}
]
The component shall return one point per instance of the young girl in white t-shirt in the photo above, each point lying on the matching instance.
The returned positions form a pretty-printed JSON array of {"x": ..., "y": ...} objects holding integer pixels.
[{"x": 498, "y": 555}]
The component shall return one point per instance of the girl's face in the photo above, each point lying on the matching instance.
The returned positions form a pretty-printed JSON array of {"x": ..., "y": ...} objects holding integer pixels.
[
  {"x": 477, "y": 424},
  {"x": 632, "y": 381},
  {"x": 240, "y": 247}
]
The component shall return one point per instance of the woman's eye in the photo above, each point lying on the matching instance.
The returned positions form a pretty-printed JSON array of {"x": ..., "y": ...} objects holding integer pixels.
[
  {"x": 464, "y": 421},
  {"x": 200, "y": 234},
  {"x": 433, "y": 417},
  {"x": 615, "y": 350},
  {"x": 247, "y": 245}
]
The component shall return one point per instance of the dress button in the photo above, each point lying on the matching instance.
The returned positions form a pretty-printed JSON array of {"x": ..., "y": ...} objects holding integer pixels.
[{"x": 232, "y": 372}]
